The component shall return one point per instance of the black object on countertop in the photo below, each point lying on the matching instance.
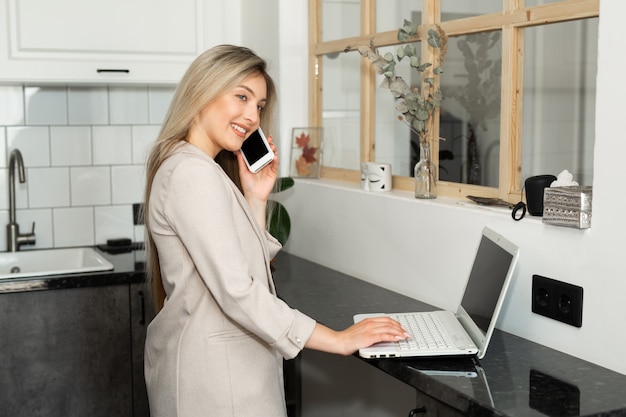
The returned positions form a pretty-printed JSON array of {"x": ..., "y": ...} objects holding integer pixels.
[{"x": 121, "y": 245}]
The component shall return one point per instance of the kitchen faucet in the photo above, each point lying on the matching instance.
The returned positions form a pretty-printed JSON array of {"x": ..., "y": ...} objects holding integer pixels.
[{"x": 14, "y": 238}]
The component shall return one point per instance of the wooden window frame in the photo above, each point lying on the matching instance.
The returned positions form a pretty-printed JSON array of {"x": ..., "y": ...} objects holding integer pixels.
[{"x": 511, "y": 22}]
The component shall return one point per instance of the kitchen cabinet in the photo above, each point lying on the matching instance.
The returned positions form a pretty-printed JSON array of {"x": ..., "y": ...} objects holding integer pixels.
[
  {"x": 430, "y": 407},
  {"x": 74, "y": 351},
  {"x": 109, "y": 41},
  {"x": 141, "y": 313}
]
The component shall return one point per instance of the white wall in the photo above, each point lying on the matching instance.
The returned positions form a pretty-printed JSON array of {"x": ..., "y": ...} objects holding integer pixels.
[
  {"x": 275, "y": 29},
  {"x": 424, "y": 248}
]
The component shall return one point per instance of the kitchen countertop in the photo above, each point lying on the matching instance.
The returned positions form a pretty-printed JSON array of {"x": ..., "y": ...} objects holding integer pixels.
[
  {"x": 128, "y": 267},
  {"x": 515, "y": 378}
]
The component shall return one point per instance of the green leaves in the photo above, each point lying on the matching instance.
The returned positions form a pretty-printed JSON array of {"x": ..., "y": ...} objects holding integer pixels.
[
  {"x": 434, "y": 40},
  {"x": 277, "y": 217},
  {"x": 415, "y": 102},
  {"x": 278, "y": 221},
  {"x": 283, "y": 184},
  {"x": 406, "y": 31}
]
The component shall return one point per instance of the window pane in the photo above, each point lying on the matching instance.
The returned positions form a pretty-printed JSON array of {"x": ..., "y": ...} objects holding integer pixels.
[
  {"x": 340, "y": 19},
  {"x": 391, "y": 14},
  {"x": 393, "y": 136},
  {"x": 559, "y": 99},
  {"x": 469, "y": 151},
  {"x": 340, "y": 110},
  {"x": 456, "y": 9}
]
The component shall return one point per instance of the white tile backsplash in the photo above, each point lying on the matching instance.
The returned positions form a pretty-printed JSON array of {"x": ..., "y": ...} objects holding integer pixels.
[
  {"x": 11, "y": 105},
  {"x": 112, "y": 145},
  {"x": 33, "y": 143},
  {"x": 159, "y": 99},
  {"x": 48, "y": 187},
  {"x": 73, "y": 227},
  {"x": 90, "y": 186},
  {"x": 114, "y": 222},
  {"x": 88, "y": 105},
  {"x": 70, "y": 145},
  {"x": 4, "y": 196},
  {"x": 84, "y": 150},
  {"x": 128, "y": 105},
  {"x": 127, "y": 184},
  {"x": 46, "y": 105},
  {"x": 143, "y": 139},
  {"x": 3, "y": 147}
]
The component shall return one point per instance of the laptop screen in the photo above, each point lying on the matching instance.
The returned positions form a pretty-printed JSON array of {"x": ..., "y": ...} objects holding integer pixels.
[{"x": 487, "y": 278}]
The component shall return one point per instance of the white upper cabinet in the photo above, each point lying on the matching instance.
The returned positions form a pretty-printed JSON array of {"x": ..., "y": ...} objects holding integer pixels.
[{"x": 108, "y": 41}]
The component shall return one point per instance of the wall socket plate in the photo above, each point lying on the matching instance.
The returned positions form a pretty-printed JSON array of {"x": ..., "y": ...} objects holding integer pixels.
[{"x": 557, "y": 300}]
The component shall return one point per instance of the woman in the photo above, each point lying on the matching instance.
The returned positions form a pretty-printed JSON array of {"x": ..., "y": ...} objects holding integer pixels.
[{"x": 217, "y": 344}]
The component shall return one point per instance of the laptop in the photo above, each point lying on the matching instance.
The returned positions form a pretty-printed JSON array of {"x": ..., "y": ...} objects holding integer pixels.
[{"x": 466, "y": 332}]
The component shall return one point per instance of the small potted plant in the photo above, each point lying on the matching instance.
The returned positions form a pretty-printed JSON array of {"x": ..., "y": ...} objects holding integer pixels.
[{"x": 417, "y": 103}]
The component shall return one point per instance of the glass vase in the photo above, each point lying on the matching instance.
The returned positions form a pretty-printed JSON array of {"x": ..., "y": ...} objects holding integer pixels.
[{"x": 425, "y": 173}]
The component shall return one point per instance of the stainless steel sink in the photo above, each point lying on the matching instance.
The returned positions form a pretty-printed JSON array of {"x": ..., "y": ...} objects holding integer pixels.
[{"x": 36, "y": 263}]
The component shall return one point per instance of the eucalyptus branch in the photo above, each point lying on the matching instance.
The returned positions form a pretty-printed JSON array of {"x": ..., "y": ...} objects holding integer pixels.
[{"x": 416, "y": 103}]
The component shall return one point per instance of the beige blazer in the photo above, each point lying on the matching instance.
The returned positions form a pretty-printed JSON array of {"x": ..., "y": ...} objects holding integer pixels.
[{"x": 216, "y": 347}]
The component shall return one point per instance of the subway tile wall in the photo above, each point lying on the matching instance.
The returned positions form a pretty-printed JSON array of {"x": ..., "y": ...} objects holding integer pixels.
[{"x": 84, "y": 151}]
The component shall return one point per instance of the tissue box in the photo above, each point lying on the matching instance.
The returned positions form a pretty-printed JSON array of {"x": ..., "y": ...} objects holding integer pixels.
[{"x": 567, "y": 206}]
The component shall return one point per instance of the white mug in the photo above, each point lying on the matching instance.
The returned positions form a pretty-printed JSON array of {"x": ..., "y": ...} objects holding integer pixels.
[{"x": 375, "y": 176}]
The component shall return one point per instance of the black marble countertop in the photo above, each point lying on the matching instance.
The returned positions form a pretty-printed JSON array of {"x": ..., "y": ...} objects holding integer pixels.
[
  {"x": 128, "y": 267},
  {"x": 515, "y": 378}
]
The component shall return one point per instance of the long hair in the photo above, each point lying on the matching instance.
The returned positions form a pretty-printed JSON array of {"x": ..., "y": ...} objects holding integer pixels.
[{"x": 211, "y": 74}]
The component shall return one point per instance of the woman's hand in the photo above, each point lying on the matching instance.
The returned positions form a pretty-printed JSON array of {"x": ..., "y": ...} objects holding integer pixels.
[
  {"x": 258, "y": 186},
  {"x": 362, "y": 334}
]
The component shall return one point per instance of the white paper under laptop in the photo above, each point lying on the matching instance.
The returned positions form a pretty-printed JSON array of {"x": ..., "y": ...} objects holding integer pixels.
[{"x": 469, "y": 330}]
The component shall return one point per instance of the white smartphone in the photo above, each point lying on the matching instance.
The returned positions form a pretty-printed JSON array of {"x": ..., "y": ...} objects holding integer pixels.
[{"x": 256, "y": 151}]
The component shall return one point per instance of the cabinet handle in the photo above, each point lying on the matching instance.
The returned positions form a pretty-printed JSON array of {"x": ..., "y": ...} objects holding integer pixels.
[
  {"x": 121, "y": 70},
  {"x": 143, "y": 308},
  {"x": 416, "y": 411}
]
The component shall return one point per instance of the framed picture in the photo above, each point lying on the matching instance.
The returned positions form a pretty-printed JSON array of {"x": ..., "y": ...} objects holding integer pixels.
[{"x": 306, "y": 152}]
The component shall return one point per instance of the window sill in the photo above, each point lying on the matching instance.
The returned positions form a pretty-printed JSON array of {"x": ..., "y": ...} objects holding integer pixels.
[{"x": 408, "y": 197}]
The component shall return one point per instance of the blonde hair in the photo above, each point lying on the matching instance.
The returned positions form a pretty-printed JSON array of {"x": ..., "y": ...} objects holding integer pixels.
[{"x": 213, "y": 73}]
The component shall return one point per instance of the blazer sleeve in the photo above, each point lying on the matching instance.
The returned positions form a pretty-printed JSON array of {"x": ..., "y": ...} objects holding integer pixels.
[
  {"x": 273, "y": 244},
  {"x": 204, "y": 211}
]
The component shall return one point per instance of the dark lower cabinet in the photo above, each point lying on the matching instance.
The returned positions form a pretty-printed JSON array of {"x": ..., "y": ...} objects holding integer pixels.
[
  {"x": 430, "y": 407},
  {"x": 141, "y": 312},
  {"x": 73, "y": 352},
  {"x": 293, "y": 386}
]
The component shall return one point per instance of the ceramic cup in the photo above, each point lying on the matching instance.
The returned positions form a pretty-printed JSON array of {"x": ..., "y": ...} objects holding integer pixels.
[
  {"x": 534, "y": 192},
  {"x": 375, "y": 176}
]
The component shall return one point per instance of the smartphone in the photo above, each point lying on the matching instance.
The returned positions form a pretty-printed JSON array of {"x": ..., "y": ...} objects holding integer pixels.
[{"x": 256, "y": 151}]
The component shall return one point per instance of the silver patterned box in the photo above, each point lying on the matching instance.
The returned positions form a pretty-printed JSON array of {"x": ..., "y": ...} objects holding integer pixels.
[{"x": 568, "y": 206}]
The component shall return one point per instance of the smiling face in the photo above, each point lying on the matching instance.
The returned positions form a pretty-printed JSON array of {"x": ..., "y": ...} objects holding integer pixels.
[{"x": 229, "y": 119}]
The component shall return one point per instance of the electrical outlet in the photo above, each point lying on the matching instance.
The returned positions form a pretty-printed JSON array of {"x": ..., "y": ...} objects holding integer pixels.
[{"x": 557, "y": 300}]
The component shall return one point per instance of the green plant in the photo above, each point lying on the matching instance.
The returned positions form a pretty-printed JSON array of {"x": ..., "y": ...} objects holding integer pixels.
[
  {"x": 417, "y": 102},
  {"x": 278, "y": 220}
]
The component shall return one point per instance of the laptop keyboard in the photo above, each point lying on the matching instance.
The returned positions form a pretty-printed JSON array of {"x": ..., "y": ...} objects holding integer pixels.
[{"x": 426, "y": 332}]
